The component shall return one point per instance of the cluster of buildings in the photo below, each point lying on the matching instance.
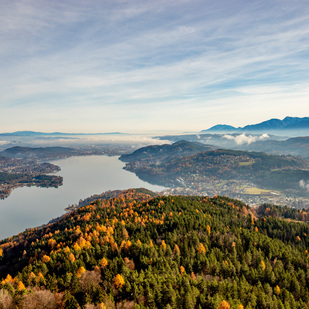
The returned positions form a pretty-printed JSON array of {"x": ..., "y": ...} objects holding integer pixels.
[{"x": 238, "y": 189}]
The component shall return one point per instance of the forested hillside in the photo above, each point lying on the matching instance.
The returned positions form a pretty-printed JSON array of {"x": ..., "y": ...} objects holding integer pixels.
[
  {"x": 158, "y": 153},
  {"x": 266, "y": 171},
  {"x": 139, "y": 251}
]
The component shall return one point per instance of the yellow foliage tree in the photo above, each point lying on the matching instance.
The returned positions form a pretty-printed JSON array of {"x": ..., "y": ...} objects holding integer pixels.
[
  {"x": 8, "y": 279},
  {"x": 45, "y": 258},
  {"x": 80, "y": 271},
  {"x": 201, "y": 248},
  {"x": 163, "y": 245},
  {"x": 182, "y": 270},
  {"x": 67, "y": 249},
  {"x": 103, "y": 262},
  {"x": 277, "y": 290},
  {"x": 52, "y": 242},
  {"x": 76, "y": 247},
  {"x": 224, "y": 305},
  {"x": 20, "y": 286},
  {"x": 119, "y": 281},
  {"x": 128, "y": 245}
]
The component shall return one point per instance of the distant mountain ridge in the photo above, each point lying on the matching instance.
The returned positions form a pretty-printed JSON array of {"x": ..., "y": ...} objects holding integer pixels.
[
  {"x": 288, "y": 123},
  {"x": 161, "y": 152},
  {"x": 38, "y": 152},
  {"x": 33, "y": 133}
]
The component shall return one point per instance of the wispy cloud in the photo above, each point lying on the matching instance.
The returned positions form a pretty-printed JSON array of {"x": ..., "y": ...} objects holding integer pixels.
[{"x": 201, "y": 61}]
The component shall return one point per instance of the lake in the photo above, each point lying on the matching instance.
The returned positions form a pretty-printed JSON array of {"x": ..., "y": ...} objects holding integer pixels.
[{"x": 29, "y": 207}]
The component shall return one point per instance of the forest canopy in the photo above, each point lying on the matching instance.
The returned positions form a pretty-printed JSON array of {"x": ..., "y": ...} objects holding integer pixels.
[{"x": 137, "y": 250}]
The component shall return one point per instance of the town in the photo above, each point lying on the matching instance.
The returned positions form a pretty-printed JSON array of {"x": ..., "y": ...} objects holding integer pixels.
[
  {"x": 17, "y": 173},
  {"x": 245, "y": 191}
]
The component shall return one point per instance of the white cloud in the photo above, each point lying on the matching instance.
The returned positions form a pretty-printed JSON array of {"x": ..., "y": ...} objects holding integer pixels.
[
  {"x": 304, "y": 185},
  {"x": 246, "y": 139}
]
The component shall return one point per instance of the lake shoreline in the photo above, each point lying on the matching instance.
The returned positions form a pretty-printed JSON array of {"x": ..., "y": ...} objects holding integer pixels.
[{"x": 84, "y": 176}]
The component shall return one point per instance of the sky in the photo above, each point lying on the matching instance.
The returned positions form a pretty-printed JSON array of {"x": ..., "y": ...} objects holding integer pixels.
[{"x": 140, "y": 65}]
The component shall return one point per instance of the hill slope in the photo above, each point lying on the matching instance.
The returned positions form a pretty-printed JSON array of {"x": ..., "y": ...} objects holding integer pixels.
[
  {"x": 38, "y": 152},
  {"x": 293, "y": 146},
  {"x": 158, "y": 252},
  {"x": 268, "y": 171},
  {"x": 161, "y": 152}
]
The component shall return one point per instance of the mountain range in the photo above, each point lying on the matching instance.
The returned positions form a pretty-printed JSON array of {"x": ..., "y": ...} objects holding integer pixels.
[
  {"x": 162, "y": 152},
  {"x": 288, "y": 123},
  {"x": 33, "y": 133}
]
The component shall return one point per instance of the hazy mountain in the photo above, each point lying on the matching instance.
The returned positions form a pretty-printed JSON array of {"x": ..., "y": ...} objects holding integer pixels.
[
  {"x": 303, "y": 124},
  {"x": 221, "y": 128},
  {"x": 293, "y": 146},
  {"x": 35, "y": 153},
  {"x": 161, "y": 152},
  {"x": 33, "y": 133},
  {"x": 252, "y": 142},
  {"x": 288, "y": 123}
]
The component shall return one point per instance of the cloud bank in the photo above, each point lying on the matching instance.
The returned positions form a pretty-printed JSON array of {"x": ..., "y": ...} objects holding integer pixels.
[
  {"x": 4, "y": 143},
  {"x": 246, "y": 139}
]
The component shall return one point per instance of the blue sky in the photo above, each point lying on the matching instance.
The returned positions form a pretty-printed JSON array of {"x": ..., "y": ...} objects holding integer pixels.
[{"x": 133, "y": 66}]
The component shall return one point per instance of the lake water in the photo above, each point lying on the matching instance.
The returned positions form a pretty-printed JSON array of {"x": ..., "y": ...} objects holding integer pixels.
[{"x": 82, "y": 177}]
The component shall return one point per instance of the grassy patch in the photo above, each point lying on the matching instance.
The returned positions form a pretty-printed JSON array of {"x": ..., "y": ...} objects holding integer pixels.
[
  {"x": 246, "y": 163},
  {"x": 256, "y": 191}
]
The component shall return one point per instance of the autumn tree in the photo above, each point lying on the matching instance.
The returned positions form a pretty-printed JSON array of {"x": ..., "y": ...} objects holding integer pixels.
[
  {"x": 224, "y": 305},
  {"x": 119, "y": 281}
]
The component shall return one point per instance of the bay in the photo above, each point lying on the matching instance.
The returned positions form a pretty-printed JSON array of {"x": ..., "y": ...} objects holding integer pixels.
[{"x": 29, "y": 207}]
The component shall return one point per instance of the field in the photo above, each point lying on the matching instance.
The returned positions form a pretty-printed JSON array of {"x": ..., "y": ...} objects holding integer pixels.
[
  {"x": 246, "y": 163},
  {"x": 256, "y": 191}
]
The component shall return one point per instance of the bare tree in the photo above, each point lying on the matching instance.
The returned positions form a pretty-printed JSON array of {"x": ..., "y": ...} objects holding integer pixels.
[
  {"x": 6, "y": 300},
  {"x": 39, "y": 300},
  {"x": 89, "y": 278}
]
